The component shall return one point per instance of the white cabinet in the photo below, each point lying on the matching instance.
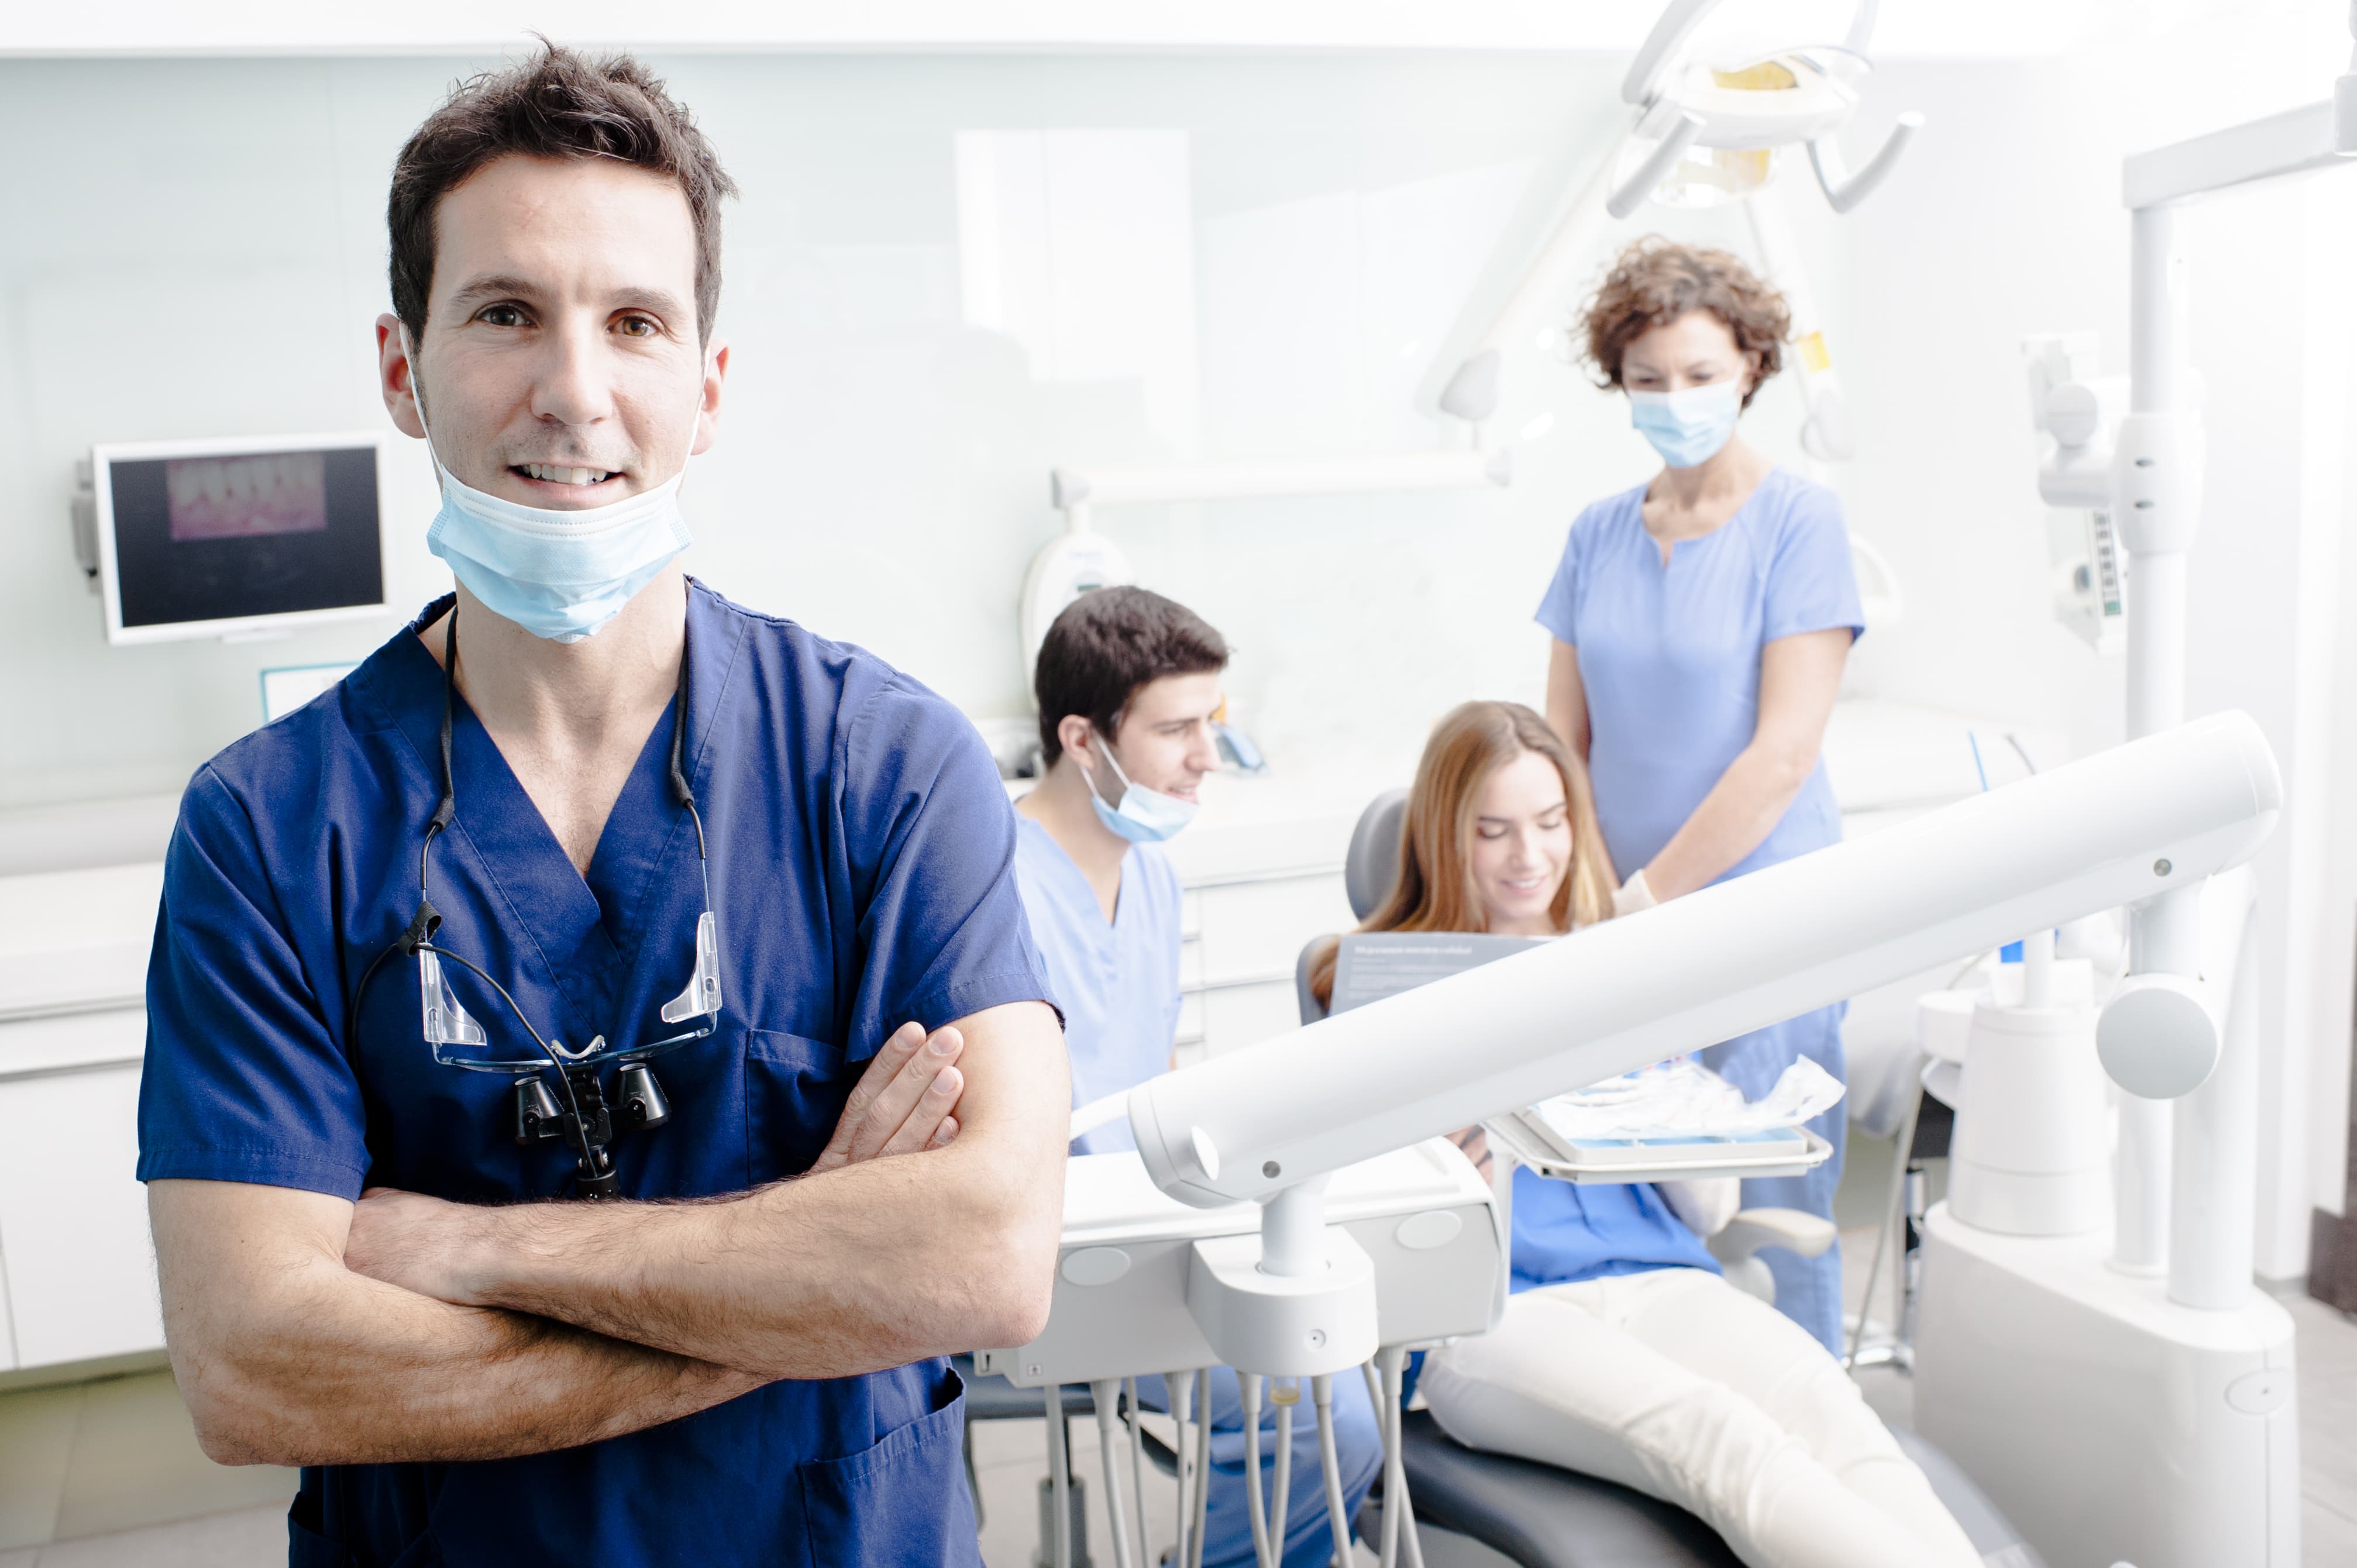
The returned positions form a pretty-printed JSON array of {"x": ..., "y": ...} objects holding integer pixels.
[
  {"x": 1245, "y": 933},
  {"x": 1255, "y": 930},
  {"x": 77, "y": 1272},
  {"x": 1239, "y": 1015},
  {"x": 80, "y": 1271}
]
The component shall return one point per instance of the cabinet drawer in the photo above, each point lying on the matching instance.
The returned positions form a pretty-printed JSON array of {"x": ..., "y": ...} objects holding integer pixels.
[
  {"x": 1239, "y": 1015},
  {"x": 1256, "y": 930},
  {"x": 74, "y": 1218}
]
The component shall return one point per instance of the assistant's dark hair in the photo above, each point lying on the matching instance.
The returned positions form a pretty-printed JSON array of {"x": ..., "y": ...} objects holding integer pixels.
[
  {"x": 559, "y": 104},
  {"x": 1107, "y": 644},
  {"x": 1655, "y": 280}
]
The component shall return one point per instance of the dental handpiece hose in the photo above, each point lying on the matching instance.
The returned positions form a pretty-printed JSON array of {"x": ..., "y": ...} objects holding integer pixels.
[
  {"x": 1400, "y": 1540},
  {"x": 1203, "y": 1466},
  {"x": 1329, "y": 1465},
  {"x": 1137, "y": 1468},
  {"x": 1107, "y": 1392},
  {"x": 1248, "y": 1386},
  {"x": 1059, "y": 1468},
  {"x": 1181, "y": 1388},
  {"x": 1280, "y": 1492}
]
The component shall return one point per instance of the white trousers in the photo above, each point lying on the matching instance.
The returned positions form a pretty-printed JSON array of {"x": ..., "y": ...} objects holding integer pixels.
[{"x": 1678, "y": 1385}]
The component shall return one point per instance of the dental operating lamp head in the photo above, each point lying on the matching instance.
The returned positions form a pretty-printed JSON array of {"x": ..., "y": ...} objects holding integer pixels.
[{"x": 2142, "y": 819}]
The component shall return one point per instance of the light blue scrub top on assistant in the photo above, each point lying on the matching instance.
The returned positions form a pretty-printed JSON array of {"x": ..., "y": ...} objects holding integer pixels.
[
  {"x": 861, "y": 870},
  {"x": 1669, "y": 655},
  {"x": 1116, "y": 980}
]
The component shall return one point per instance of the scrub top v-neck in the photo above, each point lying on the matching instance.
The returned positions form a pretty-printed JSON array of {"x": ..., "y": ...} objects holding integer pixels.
[
  {"x": 1669, "y": 654},
  {"x": 1116, "y": 980},
  {"x": 862, "y": 876}
]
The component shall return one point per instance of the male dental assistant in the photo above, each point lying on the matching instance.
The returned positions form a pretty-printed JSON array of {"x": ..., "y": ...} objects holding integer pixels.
[
  {"x": 590, "y": 885},
  {"x": 1128, "y": 684}
]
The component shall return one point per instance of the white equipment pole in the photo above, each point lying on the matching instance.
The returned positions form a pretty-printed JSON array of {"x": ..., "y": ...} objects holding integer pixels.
[{"x": 2164, "y": 934}]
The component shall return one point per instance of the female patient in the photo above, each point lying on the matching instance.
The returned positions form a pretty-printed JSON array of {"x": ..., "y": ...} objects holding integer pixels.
[{"x": 1623, "y": 1353}]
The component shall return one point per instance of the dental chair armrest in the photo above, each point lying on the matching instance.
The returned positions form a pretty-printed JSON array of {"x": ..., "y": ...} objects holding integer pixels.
[{"x": 1752, "y": 1229}]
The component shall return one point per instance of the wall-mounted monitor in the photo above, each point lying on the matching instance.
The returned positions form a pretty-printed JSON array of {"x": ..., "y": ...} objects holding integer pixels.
[{"x": 238, "y": 537}]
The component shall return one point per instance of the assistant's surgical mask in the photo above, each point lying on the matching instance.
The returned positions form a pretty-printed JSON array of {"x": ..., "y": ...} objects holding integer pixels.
[
  {"x": 1690, "y": 425},
  {"x": 558, "y": 575},
  {"x": 1144, "y": 816}
]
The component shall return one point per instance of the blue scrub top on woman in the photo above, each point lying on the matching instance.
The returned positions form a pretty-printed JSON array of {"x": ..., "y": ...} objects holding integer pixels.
[
  {"x": 1669, "y": 655},
  {"x": 861, "y": 850}
]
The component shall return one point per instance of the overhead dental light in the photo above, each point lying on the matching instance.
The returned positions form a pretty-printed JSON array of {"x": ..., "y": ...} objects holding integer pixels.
[
  {"x": 1712, "y": 130},
  {"x": 1712, "y": 125}
]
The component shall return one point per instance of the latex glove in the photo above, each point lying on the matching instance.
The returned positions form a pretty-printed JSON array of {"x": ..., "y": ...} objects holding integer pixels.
[{"x": 1633, "y": 896}]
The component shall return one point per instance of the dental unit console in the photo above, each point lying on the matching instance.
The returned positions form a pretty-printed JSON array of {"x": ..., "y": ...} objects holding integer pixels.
[{"x": 1293, "y": 1209}]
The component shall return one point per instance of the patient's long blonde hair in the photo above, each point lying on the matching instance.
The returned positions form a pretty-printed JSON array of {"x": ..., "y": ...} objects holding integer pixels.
[{"x": 1435, "y": 890}]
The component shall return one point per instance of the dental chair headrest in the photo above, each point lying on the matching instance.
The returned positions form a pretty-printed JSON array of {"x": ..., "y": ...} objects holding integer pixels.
[{"x": 1373, "y": 863}]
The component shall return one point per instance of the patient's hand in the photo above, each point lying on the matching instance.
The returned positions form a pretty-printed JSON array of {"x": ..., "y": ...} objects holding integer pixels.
[
  {"x": 1475, "y": 1145},
  {"x": 905, "y": 1102}
]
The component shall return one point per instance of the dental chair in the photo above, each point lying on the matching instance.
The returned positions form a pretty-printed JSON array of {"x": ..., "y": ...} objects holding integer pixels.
[{"x": 1541, "y": 1517}]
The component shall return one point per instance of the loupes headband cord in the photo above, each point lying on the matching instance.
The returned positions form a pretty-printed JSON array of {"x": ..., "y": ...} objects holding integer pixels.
[{"x": 417, "y": 937}]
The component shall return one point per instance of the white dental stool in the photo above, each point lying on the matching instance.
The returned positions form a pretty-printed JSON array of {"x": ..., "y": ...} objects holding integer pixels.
[{"x": 1541, "y": 1517}]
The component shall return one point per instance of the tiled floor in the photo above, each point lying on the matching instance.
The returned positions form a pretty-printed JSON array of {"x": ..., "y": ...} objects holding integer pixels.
[{"x": 88, "y": 1460}]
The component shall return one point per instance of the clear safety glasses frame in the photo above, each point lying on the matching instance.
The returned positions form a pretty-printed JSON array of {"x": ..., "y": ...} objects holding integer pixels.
[{"x": 454, "y": 1034}]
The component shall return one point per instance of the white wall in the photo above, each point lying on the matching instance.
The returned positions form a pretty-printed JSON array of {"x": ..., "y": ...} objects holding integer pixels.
[{"x": 199, "y": 252}]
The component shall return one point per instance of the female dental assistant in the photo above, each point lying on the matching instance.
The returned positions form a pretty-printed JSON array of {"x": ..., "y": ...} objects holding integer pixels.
[
  {"x": 1701, "y": 622},
  {"x": 1127, "y": 684}
]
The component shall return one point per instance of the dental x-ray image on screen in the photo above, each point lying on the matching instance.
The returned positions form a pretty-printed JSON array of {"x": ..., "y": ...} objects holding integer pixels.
[{"x": 227, "y": 538}]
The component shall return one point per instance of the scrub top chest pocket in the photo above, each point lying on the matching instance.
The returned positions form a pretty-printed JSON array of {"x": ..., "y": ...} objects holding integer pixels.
[{"x": 795, "y": 1090}]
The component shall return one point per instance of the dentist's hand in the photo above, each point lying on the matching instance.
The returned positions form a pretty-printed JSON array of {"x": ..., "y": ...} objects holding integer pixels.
[{"x": 905, "y": 1102}]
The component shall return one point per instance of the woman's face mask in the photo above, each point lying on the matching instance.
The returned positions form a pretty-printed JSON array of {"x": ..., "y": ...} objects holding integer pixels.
[
  {"x": 1685, "y": 380},
  {"x": 1691, "y": 425}
]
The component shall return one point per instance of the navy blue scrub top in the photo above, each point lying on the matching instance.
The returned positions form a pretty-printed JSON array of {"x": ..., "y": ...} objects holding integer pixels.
[{"x": 861, "y": 856}]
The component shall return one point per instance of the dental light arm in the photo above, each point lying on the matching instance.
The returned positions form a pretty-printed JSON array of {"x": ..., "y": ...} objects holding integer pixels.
[
  {"x": 1844, "y": 191},
  {"x": 2155, "y": 815},
  {"x": 1680, "y": 115}
]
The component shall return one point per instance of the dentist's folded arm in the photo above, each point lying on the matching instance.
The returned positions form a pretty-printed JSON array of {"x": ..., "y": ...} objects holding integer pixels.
[
  {"x": 866, "y": 1263},
  {"x": 288, "y": 1350}
]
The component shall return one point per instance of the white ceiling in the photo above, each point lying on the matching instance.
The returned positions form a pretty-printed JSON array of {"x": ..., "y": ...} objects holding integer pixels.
[{"x": 1908, "y": 29}]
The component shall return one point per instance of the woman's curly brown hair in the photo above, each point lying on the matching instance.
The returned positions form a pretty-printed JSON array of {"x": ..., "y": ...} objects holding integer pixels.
[{"x": 1655, "y": 280}]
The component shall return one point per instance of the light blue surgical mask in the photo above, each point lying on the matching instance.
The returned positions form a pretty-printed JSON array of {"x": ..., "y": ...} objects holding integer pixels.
[
  {"x": 1144, "y": 816},
  {"x": 558, "y": 575},
  {"x": 1690, "y": 425}
]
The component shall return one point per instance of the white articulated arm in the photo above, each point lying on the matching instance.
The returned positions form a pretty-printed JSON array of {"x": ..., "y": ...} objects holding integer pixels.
[
  {"x": 2113, "y": 828},
  {"x": 1844, "y": 192},
  {"x": 1630, "y": 194}
]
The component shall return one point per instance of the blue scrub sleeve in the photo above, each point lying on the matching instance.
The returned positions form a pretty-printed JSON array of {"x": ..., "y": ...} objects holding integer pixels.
[
  {"x": 1559, "y": 610},
  {"x": 931, "y": 841},
  {"x": 1812, "y": 585},
  {"x": 243, "y": 1079}
]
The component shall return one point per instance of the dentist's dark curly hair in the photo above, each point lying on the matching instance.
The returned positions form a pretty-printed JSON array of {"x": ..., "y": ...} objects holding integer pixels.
[
  {"x": 558, "y": 104},
  {"x": 1655, "y": 280}
]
